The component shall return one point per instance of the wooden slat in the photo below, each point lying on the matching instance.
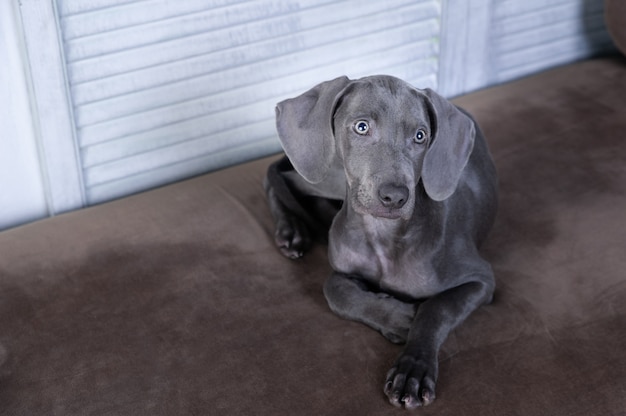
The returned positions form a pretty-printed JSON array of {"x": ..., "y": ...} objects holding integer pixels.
[
  {"x": 179, "y": 27},
  {"x": 295, "y": 66},
  {"x": 251, "y": 54},
  {"x": 395, "y": 61},
  {"x": 504, "y": 9},
  {"x": 133, "y": 14},
  {"x": 560, "y": 52},
  {"x": 273, "y": 90},
  {"x": 182, "y": 170},
  {"x": 209, "y": 132},
  {"x": 533, "y": 35},
  {"x": 545, "y": 16},
  {"x": 70, "y": 7},
  {"x": 543, "y": 35},
  {"x": 224, "y": 42},
  {"x": 208, "y": 85},
  {"x": 160, "y": 89},
  {"x": 161, "y": 92},
  {"x": 189, "y": 149}
]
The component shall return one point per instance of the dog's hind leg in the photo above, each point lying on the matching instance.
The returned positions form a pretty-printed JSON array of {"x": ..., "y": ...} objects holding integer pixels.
[
  {"x": 300, "y": 217},
  {"x": 291, "y": 235}
]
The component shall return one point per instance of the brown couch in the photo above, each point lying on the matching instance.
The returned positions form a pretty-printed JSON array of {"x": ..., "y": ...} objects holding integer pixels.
[{"x": 176, "y": 302}]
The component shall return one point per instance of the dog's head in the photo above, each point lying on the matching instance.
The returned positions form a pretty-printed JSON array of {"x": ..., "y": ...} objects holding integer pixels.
[{"x": 387, "y": 135}]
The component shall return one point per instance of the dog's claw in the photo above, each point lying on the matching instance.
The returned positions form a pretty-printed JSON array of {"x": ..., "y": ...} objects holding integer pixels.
[
  {"x": 427, "y": 397},
  {"x": 293, "y": 255},
  {"x": 409, "y": 402}
]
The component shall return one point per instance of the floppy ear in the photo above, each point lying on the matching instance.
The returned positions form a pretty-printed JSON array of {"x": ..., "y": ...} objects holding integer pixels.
[
  {"x": 305, "y": 128},
  {"x": 452, "y": 144}
]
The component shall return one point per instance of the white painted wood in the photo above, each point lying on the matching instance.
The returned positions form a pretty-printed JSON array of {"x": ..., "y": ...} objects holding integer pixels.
[
  {"x": 171, "y": 131},
  {"x": 255, "y": 70},
  {"x": 485, "y": 42},
  {"x": 551, "y": 31},
  {"x": 466, "y": 61},
  {"x": 166, "y": 174},
  {"x": 233, "y": 44},
  {"x": 507, "y": 8},
  {"x": 85, "y": 23},
  {"x": 138, "y": 93},
  {"x": 534, "y": 59},
  {"x": 22, "y": 194},
  {"x": 227, "y": 81},
  {"x": 69, "y": 7},
  {"x": 512, "y": 21},
  {"x": 52, "y": 110},
  {"x": 171, "y": 85},
  {"x": 535, "y": 35},
  {"x": 180, "y": 27}
]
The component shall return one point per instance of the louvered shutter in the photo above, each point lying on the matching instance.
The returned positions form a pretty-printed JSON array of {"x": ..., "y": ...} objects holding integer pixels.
[
  {"x": 161, "y": 90},
  {"x": 132, "y": 94},
  {"x": 533, "y": 35}
]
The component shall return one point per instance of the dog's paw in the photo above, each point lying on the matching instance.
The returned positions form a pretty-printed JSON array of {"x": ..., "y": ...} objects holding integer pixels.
[
  {"x": 399, "y": 319},
  {"x": 396, "y": 335},
  {"x": 411, "y": 382},
  {"x": 292, "y": 237}
]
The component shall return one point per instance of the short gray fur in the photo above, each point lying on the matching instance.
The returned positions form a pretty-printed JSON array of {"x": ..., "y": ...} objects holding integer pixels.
[{"x": 407, "y": 185}]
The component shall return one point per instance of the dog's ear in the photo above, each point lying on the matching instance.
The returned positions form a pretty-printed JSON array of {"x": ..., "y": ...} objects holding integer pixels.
[
  {"x": 305, "y": 128},
  {"x": 453, "y": 141}
]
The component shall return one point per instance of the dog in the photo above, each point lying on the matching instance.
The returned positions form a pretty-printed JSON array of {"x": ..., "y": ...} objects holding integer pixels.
[{"x": 402, "y": 183}]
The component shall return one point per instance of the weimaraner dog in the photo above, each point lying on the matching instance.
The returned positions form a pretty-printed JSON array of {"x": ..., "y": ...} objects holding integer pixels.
[{"x": 407, "y": 185}]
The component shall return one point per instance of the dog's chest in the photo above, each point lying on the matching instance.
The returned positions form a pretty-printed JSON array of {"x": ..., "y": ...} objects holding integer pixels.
[{"x": 390, "y": 260}]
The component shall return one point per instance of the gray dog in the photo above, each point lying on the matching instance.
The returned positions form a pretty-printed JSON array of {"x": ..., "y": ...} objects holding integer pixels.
[{"x": 405, "y": 181}]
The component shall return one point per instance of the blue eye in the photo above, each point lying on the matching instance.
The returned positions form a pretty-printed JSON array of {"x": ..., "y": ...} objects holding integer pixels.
[
  {"x": 420, "y": 136},
  {"x": 361, "y": 127}
]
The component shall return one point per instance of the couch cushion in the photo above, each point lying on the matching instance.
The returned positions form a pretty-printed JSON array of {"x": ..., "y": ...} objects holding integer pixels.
[
  {"x": 615, "y": 17},
  {"x": 176, "y": 302}
]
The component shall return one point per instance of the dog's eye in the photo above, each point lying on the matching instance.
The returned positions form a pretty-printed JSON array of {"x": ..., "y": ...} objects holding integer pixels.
[
  {"x": 420, "y": 136},
  {"x": 361, "y": 127}
]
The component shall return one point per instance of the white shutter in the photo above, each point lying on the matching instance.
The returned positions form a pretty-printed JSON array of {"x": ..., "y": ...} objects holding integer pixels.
[
  {"x": 486, "y": 42},
  {"x": 532, "y": 35},
  {"x": 162, "y": 90},
  {"x": 132, "y": 94}
]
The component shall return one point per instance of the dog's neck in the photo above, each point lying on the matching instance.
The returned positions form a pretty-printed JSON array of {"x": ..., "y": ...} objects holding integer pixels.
[
  {"x": 387, "y": 233},
  {"x": 384, "y": 230}
]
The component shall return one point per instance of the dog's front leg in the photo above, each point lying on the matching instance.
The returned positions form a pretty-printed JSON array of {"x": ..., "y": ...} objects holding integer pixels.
[
  {"x": 411, "y": 381},
  {"x": 351, "y": 299}
]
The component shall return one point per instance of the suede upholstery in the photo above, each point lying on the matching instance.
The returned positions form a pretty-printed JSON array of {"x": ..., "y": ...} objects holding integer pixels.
[{"x": 176, "y": 302}]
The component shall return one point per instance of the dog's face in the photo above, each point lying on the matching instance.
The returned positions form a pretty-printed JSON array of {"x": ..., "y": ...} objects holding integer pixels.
[
  {"x": 382, "y": 128},
  {"x": 384, "y": 134}
]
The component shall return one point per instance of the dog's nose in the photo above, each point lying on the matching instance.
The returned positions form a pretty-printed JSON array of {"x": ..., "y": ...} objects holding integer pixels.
[{"x": 393, "y": 196}]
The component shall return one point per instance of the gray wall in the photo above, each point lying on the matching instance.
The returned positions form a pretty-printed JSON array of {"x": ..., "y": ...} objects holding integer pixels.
[{"x": 118, "y": 96}]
